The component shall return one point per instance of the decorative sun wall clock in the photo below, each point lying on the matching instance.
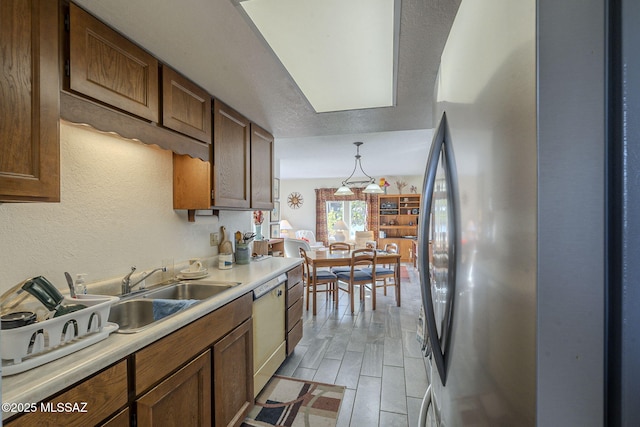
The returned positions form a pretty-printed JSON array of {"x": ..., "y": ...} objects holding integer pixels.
[{"x": 295, "y": 200}]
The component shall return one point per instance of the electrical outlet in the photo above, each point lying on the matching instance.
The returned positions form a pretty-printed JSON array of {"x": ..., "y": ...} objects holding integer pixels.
[{"x": 214, "y": 239}]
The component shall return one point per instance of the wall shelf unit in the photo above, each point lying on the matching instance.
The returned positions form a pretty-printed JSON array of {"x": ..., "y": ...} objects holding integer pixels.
[{"x": 398, "y": 222}]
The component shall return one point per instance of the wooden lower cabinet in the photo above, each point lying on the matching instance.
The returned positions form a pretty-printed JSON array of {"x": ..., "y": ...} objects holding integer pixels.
[
  {"x": 199, "y": 375},
  {"x": 233, "y": 376},
  {"x": 406, "y": 250},
  {"x": 104, "y": 393},
  {"x": 167, "y": 378},
  {"x": 182, "y": 399},
  {"x": 295, "y": 296},
  {"x": 405, "y": 247},
  {"x": 119, "y": 420}
]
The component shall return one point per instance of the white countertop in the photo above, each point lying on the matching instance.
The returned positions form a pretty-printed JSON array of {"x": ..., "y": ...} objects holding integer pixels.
[{"x": 39, "y": 383}]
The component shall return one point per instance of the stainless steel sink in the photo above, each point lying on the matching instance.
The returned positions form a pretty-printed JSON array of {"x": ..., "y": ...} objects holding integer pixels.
[
  {"x": 135, "y": 313},
  {"x": 132, "y": 315},
  {"x": 188, "y": 290}
]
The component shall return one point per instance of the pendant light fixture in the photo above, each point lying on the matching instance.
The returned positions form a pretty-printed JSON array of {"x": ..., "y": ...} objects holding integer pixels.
[{"x": 371, "y": 188}]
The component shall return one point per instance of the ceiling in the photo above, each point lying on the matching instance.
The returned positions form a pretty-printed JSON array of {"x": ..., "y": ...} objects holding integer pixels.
[{"x": 211, "y": 42}]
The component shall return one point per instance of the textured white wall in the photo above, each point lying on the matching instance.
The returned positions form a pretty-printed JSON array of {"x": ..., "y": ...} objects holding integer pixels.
[
  {"x": 116, "y": 211},
  {"x": 305, "y": 216}
]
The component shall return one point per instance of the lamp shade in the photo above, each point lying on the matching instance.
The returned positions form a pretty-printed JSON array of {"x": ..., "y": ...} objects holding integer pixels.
[
  {"x": 340, "y": 225},
  {"x": 284, "y": 225},
  {"x": 343, "y": 191},
  {"x": 373, "y": 188}
]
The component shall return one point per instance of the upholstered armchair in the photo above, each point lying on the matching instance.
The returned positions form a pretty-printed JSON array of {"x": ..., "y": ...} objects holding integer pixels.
[
  {"x": 292, "y": 247},
  {"x": 362, "y": 237},
  {"x": 310, "y": 237}
]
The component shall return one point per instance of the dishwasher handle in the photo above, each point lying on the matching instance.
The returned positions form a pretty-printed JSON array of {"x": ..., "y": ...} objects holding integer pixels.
[{"x": 268, "y": 286}]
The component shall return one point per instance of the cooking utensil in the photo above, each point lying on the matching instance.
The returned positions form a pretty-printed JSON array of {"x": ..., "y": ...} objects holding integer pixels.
[
  {"x": 49, "y": 296},
  {"x": 225, "y": 246},
  {"x": 72, "y": 289},
  {"x": 18, "y": 319}
]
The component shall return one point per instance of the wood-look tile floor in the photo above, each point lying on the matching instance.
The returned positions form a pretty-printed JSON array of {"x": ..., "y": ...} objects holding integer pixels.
[{"x": 374, "y": 354}]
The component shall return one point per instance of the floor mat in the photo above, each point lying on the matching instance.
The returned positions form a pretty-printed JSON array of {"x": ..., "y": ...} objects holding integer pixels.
[
  {"x": 294, "y": 402},
  {"x": 404, "y": 273}
]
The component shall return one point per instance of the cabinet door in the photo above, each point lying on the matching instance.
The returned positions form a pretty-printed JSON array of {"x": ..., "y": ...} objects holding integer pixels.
[
  {"x": 106, "y": 66},
  {"x": 29, "y": 102},
  {"x": 261, "y": 168},
  {"x": 191, "y": 183},
  {"x": 104, "y": 394},
  {"x": 186, "y": 108},
  {"x": 406, "y": 250},
  {"x": 159, "y": 359},
  {"x": 294, "y": 276},
  {"x": 295, "y": 297},
  {"x": 231, "y": 157},
  {"x": 233, "y": 376},
  {"x": 119, "y": 420},
  {"x": 182, "y": 399}
]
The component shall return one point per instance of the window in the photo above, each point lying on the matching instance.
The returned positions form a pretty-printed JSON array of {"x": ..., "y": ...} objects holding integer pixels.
[{"x": 353, "y": 213}]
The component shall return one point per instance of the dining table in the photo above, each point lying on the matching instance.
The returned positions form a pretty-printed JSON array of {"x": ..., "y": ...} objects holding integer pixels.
[{"x": 320, "y": 259}]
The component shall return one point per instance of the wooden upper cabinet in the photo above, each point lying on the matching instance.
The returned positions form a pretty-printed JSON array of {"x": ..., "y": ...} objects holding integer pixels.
[
  {"x": 186, "y": 108},
  {"x": 231, "y": 157},
  {"x": 261, "y": 168},
  {"x": 29, "y": 102},
  {"x": 106, "y": 66},
  {"x": 191, "y": 183}
]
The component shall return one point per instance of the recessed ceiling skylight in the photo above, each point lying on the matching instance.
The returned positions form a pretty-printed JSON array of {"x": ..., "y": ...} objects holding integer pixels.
[{"x": 341, "y": 54}]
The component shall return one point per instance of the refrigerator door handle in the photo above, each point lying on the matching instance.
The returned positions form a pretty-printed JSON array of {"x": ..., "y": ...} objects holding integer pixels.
[
  {"x": 441, "y": 145},
  {"x": 424, "y": 408}
]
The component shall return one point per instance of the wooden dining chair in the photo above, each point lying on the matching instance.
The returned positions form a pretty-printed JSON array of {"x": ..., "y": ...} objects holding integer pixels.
[
  {"x": 323, "y": 281},
  {"x": 336, "y": 247},
  {"x": 339, "y": 246},
  {"x": 356, "y": 276},
  {"x": 385, "y": 272}
]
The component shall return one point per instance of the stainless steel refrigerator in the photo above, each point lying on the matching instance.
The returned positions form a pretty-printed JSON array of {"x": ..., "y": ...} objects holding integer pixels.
[{"x": 511, "y": 232}]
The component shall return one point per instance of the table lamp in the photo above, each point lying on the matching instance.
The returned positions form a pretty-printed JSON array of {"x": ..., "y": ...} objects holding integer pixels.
[
  {"x": 339, "y": 227},
  {"x": 284, "y": 228}
]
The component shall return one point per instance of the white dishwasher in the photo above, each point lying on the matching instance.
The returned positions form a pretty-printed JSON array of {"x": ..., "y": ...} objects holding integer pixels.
[{"x": 269, "y": 346}]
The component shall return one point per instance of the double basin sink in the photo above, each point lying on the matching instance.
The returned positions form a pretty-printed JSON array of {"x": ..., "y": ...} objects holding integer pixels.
[{"x": 135, "y": 313}]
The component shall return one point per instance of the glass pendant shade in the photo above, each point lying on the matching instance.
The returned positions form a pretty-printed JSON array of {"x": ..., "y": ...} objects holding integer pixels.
[
  {"x": 373, "y": 188},
  {"x": 343, "y": 191}
]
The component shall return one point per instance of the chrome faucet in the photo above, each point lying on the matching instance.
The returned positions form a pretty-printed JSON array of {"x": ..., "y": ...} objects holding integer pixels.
[{"x": 126, "y": 281}]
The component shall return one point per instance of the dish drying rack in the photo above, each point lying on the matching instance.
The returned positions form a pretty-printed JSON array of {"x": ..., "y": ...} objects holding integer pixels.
[{"x": 33, "y": 345}]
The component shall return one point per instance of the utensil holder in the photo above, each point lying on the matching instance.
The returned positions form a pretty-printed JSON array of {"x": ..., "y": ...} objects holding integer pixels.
[{"x": 242, "y": 253}]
